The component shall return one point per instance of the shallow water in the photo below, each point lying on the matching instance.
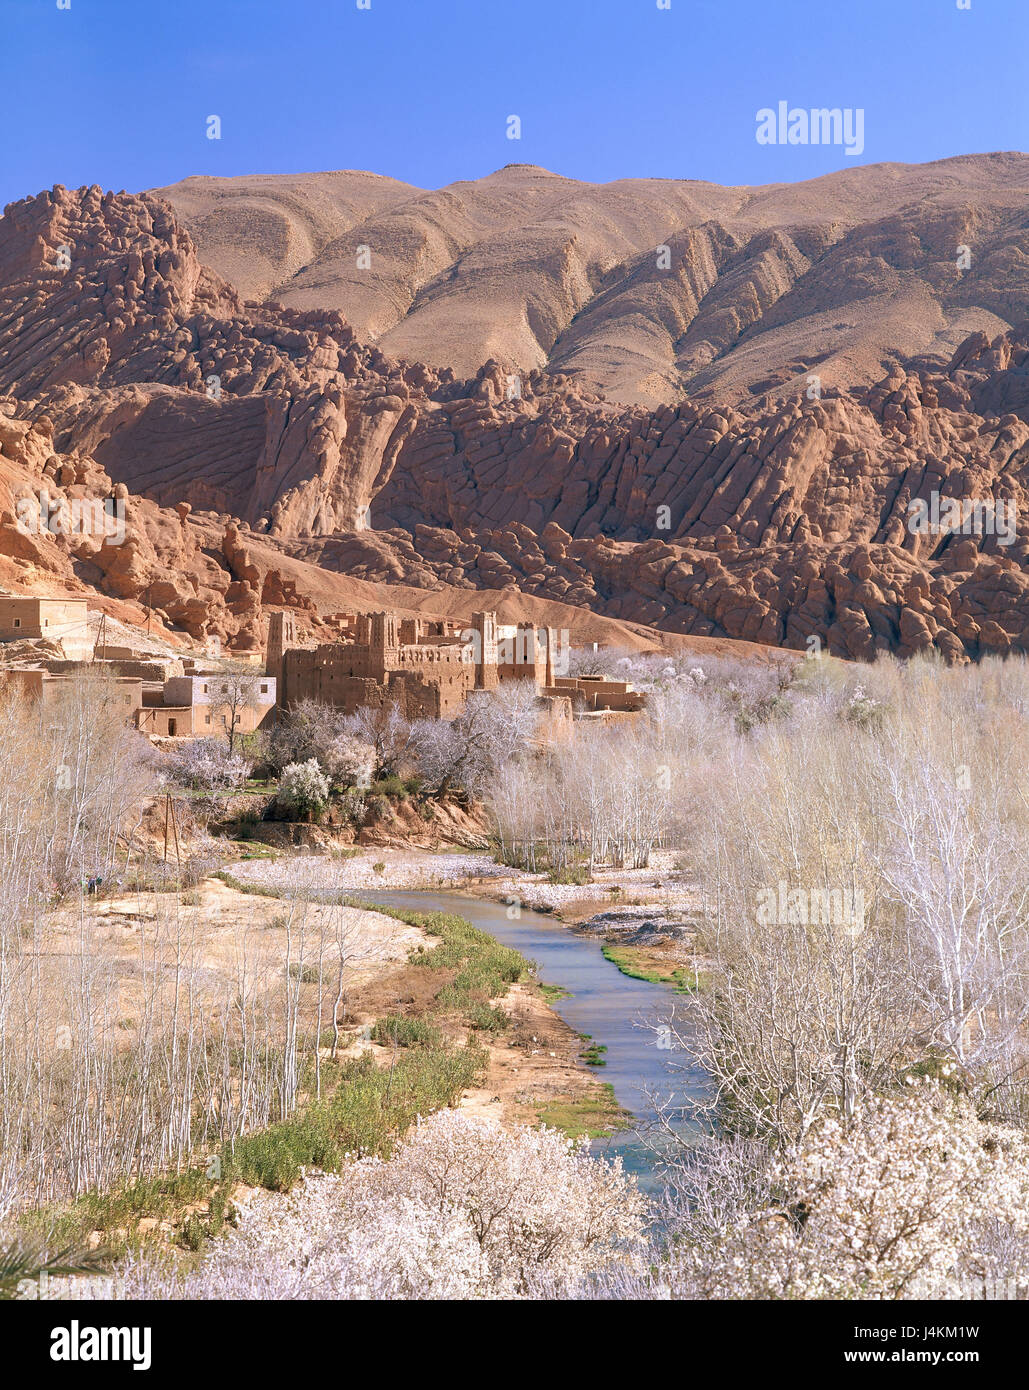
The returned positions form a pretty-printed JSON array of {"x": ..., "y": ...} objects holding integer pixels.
[{"x": 604, "y": 1003}]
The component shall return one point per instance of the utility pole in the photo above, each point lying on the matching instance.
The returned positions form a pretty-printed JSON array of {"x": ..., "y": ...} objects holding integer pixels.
[
  {"x": 101, "y": 637},
  {"x": 170, "y": 823}
]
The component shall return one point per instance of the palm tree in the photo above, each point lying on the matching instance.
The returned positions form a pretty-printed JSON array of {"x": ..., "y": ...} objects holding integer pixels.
[{"x": 21, "y": 1260}]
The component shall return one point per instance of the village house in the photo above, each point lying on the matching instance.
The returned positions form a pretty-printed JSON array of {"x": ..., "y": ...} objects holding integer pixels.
[
  {"x": 599, "y": 694},
  {"x": 174, "y": 708},
  {"x": 61, "y": 620},
  {"x": 34, "y": 683},
  {"x": 165, "y": 696},
  {"x": 427, "y": 668},
  {"x": 201, "y": 706}
]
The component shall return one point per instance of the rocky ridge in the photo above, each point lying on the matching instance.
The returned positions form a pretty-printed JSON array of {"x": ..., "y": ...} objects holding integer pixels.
[
  {"x": 650, "y": 289},
  {"x": 268, "y": 458}
]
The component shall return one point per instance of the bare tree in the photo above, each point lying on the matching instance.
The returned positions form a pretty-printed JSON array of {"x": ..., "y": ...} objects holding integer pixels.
[
  {"x": 468, "y": 752},
  {"x": 952, "y": 799},
  {"x": 236, "y": 692},
  {"x": 388, "y": 732}
]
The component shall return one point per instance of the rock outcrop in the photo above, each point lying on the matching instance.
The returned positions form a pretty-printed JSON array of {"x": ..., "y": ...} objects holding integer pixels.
[{"x": 263, "y": 454}]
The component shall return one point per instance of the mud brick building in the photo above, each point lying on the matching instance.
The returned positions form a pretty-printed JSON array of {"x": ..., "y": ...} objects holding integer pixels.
[
  {"x": 201, "y": 706},
  {"x": 426, "y": 668},
  {"x": 165, "y": 696},
  {"x": 429, "y": 668},
  {"x": 36, "y": 684},
  {"x": 598, "y": 694},
  {"x": 61, "y": 620}
]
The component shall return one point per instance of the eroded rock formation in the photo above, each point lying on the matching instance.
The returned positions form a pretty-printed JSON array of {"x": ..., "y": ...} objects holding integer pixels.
[
  {"x": 650, "y": 289},
  {"x": 259, "y": 449}
]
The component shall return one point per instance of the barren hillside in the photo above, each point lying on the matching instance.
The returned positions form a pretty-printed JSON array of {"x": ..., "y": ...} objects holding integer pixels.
[
  {"x": 757, "y": 287},
  {"x": 269, "y": 457}
]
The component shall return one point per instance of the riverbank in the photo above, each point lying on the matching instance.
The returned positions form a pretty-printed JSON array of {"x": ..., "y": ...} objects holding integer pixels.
[
  {"x": 534, "y": 1072},
  {"x": 454, "y": 1017},
  {"x": 649, "y": 915},
  {"x": 616, "y": 1018},
  {"x": 535, "y": 1075}
]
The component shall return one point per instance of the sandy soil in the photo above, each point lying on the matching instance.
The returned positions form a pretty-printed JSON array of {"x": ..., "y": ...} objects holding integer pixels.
[
  {"x": 218, "y": 929},
  {"x": 533, "y": 1065}
]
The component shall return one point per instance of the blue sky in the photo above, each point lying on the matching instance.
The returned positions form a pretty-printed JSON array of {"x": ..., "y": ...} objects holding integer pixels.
[{"x": 117, "y": 92}]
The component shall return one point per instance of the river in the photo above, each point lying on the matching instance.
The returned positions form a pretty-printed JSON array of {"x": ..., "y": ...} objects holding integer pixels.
[{"x": 603, "y": 1003}]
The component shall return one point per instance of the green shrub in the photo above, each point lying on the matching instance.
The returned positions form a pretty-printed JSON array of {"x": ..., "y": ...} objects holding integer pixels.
[
  {"x": 370, "y": 1109},
  {"x": 373, "y": 1107},
  {"x": 392, "y": 787},
  {"x": 273, "y": 1157},
  {"x": 487, "y": 1018},
  {"x": 396, "y": 1031},
  {"x": 483, "y": 968},
  {"x": 570, "y": 873},
  {"x": 256, "y": 890},
  {"x": 193, "y": 1231}
]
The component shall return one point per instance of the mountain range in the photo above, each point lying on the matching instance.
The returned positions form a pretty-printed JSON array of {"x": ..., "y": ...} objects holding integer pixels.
[
  {"x": 653, "y": 411},
  {"x": 651, "y": 290}
]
